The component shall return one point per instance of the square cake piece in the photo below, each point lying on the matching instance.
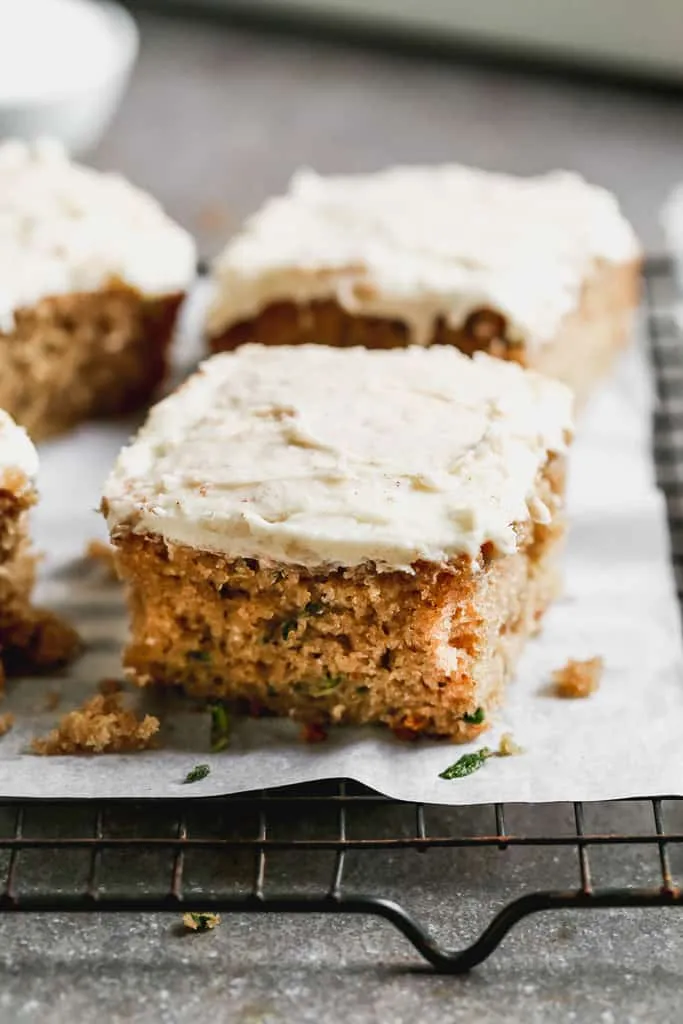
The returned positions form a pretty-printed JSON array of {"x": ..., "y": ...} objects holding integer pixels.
[
  {"x": 543, "y": 271},
  {"x": 18, "y": 468},
  {"x": 92, "y": 274},
  {"x": 344, "y": 535}
]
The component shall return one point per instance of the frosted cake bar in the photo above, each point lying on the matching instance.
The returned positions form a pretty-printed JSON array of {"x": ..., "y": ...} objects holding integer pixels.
[
  {"x": 543, "y": 271},
  {"x": 344, "y": 536},
  {"x": 92, "y": 273}
]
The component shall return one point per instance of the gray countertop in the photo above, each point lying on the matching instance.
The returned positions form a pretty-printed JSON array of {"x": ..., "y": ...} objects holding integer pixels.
[{"x": 216, "y": 119}]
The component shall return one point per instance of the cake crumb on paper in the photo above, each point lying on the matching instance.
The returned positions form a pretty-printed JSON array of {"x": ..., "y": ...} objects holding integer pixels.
[
  {"x": 578, "y": 678},
  {"x": 508, "y": 747},
  {"x": 100, "y": 726},
  {"x": 312, "y": 732}
]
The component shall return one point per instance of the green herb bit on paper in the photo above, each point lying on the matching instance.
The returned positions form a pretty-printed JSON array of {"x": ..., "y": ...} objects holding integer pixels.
[
  {"x": 220, "y": 727},
  {"x": 199, "y": 772},
  {"x": 476, "y": 718},
  {"x": 202, "y": 921},
  {"x": 467, "y": 764}
]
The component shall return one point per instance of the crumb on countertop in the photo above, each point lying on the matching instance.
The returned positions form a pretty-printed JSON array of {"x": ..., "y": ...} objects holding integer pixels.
[
  {"x": 100, "y": 726},
  {"x": 6, "y": 722},
  {"x": 102, "y": 554},
  {"x": 201, "y": 921},
  {"x": 578, "y": 678}
]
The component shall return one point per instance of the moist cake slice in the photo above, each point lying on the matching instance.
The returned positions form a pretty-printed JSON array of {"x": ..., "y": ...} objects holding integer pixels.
[
  {"x": 18, "y": 468},
  {"x": 543, "y": 271},
  {"x": 343, "y": 535},
  {"x": 92, "y": 273}
]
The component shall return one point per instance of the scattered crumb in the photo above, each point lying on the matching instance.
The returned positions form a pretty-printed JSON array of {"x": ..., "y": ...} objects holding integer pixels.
[
  {"x": 109, "y": 686},
  {"x": 201, "y": 921},
  {"x": 100, "y": 726},
  {"x": 472, "y": 762},
  {"x": 578, "y": 678},
  {"x": 408, "y": 729},
  {"x": 311, "y": 732},
  {"x": 102, "y": 554},
  {"x": 507, "y": 746},
  {"x": 52, "y": 700},
  {"x": 6, "y": 722}
]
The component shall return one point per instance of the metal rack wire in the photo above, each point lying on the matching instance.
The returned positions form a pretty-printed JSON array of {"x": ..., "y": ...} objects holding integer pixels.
[{"x": 217, "y": 854}]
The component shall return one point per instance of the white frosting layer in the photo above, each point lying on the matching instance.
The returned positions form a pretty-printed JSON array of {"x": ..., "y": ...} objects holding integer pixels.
[
  {"x": 66, "y": 228},
  {"x": 418, "y": 243},
  {"x": 17, "y": 452},
  {"x": 314, "y": 456}
]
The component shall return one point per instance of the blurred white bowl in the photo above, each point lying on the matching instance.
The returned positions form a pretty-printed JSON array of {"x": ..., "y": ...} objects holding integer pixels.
[{"x": 64, "y": 66}]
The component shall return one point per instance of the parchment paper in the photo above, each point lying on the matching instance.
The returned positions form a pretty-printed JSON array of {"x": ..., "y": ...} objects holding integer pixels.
[{"x": 623, "y": 741}]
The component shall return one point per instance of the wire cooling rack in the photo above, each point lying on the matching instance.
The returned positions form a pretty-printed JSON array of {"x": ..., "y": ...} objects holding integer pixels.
[{"x": 224, "y": 854}]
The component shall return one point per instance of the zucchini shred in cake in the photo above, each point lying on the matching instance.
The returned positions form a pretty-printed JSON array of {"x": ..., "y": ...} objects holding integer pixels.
[
  {"x": 344, "y": 536},
  {"x": 93, "y": 273},
  {"x": 543, "y": 271}
]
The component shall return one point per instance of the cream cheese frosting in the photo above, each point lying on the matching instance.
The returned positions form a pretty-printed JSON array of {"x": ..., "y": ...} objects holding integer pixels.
[
  {"x": 420, "y": 243},
  {"x": 17, "y": 453},
  {"x": 66, "y": 228},
  {"x": 318, "y": 456}
]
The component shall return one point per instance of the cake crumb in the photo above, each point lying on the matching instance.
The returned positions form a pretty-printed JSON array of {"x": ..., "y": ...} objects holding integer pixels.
[
  {"x": 578, "y": 678},
  {"x": 311, "y": 732},
  {"x": 103, "y": 555},
  {"x": 201, "y": 921},
  {"x": 100, "y": 726},
  {"x": 6, "y": 722},
  {"x": 508, "y": 747}
]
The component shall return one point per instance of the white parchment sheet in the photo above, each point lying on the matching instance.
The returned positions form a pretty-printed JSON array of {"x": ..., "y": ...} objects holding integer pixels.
[{"x": 619, "y": 602}]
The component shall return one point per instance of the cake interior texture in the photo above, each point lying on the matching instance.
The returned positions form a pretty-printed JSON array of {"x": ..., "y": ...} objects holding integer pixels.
[
  {"x": 73, "y": 357},
  {"x": 343, "y": 536},
  {"x": 420, "y": 652}
]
